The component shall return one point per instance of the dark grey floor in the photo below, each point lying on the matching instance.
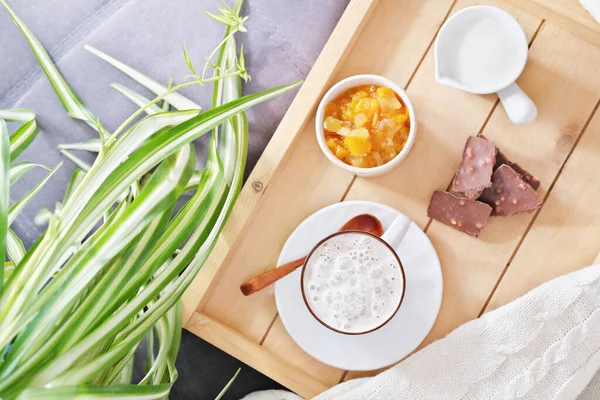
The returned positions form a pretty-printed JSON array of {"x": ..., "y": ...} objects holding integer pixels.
[
  {"x": 284, "y": 38},
  {"x": 204, "y": 370}
]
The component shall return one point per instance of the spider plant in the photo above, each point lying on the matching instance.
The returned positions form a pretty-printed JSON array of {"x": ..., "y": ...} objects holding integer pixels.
[{"x": 116, "y": 257}]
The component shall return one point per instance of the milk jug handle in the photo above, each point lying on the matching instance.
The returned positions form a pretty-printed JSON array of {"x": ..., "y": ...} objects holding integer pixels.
[
  {"x": 519, "y": 107},
  {"x": 396, "y": 232}
]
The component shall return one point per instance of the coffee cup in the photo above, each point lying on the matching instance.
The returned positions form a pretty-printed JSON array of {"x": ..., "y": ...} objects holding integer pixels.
[{"x": 353, "y": 282}]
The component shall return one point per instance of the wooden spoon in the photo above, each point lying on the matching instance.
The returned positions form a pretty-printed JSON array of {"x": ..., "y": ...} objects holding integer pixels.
[{"x": 363, "y": 222}]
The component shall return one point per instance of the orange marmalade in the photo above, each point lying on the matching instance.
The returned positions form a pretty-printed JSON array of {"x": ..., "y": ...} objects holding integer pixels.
[{"x": 366, "y": 126}]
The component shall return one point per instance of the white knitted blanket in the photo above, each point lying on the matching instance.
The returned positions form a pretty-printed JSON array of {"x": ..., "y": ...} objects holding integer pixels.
[
  {"x": 593, "y": 7},
  {"x": 544, "y": 345}
]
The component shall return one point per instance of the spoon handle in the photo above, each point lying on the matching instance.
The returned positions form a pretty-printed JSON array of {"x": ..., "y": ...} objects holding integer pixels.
[{"x": 267, "y": 278}]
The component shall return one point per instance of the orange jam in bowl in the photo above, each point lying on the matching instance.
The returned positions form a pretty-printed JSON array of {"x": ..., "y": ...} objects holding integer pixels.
[{"x": 366, "y": 126}]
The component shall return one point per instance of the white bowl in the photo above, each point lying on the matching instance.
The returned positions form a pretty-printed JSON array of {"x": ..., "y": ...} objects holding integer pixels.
[{"x": 348, "y": 83}]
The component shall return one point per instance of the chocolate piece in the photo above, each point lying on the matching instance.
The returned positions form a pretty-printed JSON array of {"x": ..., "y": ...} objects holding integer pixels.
[
  {"x": 509, "y": 193},
  {"x": 527, "y": 177},
  {"x": 475, "y": 171},
  {"x": 468, "y": 216}
]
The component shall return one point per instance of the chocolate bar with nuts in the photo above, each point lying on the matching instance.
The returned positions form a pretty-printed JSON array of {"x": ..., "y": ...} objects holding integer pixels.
[
  {"x": 468, "y": 216},
  {"x": 509, "y": 193},
  {"x": 527, "y": 177},
  {"x": 475, "y": 171}
]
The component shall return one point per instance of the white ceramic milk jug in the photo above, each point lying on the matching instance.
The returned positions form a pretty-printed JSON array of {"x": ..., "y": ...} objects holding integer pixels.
[{"x": 483, "y": 49}]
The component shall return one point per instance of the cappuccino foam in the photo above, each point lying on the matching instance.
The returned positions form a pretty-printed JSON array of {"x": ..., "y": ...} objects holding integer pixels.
[{"x": 353, "y": 282}]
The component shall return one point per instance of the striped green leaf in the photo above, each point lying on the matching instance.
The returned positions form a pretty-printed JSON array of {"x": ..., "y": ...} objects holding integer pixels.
[
  {"x": 167, "y": 330},
  {"x": 75, "y": 180},
  {"x": 136, "y": 98},
  {"x": 125, "y": 269},
  {"x": 17, "y": 170},
  {"x": 175, "y": 99},
  {"x": 84, "y": 165},
  {"x": 226, "y": 388},
  {"x": 67, "y": 96},
  {"x": 92, "y": 145},
  {"x": 22, "y": 138},
  {"x": 4, "y": 193},
  {"x": 194, "y": 180},
  {"x": 85, "y": 392},
  {"x": 17, "y": 115},
  {"x": 15, "y": 250},
  {"x": 9, "y": 267},
  {"x": 20, "y": 204}
]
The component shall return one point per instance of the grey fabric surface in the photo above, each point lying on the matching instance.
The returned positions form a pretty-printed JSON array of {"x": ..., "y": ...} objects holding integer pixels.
[{"x": 283, "y": 41}]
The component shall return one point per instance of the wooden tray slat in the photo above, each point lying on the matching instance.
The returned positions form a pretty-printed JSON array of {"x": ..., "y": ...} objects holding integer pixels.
[
  {"x": 565, "y": 235},
  {"x": 395, "y": 39},
  {"x": 567, "y": 14}
]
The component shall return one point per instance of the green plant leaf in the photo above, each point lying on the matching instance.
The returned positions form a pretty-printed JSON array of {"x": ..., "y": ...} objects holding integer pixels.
[
  {"x": 22, "y": 138},
  {"x": 92, "y": 145},
  {"x": 20, "y": 204},
  {"x": 156, "y": 365},
  {"x": 121, "y": 372},
  {"x": 149, "y": 352},
  {"x": 194, "y": 180},
  {"x": 225, "y": 132},
  {"x": 76, "y": 160},
  {"x": 226, "y": 388},
  {"x": 9, "y": 267},
  {"x": 187, "y": 60},
  {"x": 219, "y": 18},
  {"x": 165, "y": 104},
  {"x": 67, "y": 96},
  {"x": 175, "y": 320},
  {"x": 17, "y": 115},
  {"x": 175, "y": 99},
  {"x": 43, "y": 217},
  {"x": 15, "y": 250},
  {"x": 233, "y": 138},
  {"x": 192, "y": 216},
  {"x": 75, "y": 180},
  {"x": 98, "y": 304},
  {"x": 136, "y": 98},
  {"x": 86, "y": 392},
  {"x": 17, "y": 170},
  {"x": 4, "y": 193}
]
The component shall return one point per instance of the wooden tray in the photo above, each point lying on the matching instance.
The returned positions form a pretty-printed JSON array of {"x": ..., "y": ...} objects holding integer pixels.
[{"x": 293, "y": 179}]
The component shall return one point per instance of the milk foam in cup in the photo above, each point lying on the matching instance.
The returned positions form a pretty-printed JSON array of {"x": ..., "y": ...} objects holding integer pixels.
[
  {"x": 483, "y": 49},
  {"x": 353, "y": 282}
]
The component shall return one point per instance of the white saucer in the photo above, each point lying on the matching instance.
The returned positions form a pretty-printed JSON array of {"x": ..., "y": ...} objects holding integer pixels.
[{"x": 392, "y": 342}]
